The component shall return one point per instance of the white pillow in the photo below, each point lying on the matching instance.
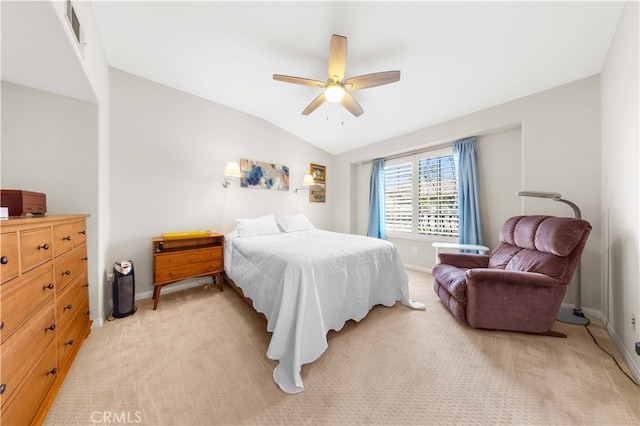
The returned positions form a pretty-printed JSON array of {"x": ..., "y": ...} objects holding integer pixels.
[
  {"x": 294, "y": 223},
  {"x": 264, "y": 225}
]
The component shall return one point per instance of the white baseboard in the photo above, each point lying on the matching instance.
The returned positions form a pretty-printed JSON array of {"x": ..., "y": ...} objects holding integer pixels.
[
  {"x": 147, "y": 294},
  {"x": 629, "y": 358},
  {"x": 417, "y": 268},
  {"x": 170, "y": 289},
  {"x": 588, "y": 312}
]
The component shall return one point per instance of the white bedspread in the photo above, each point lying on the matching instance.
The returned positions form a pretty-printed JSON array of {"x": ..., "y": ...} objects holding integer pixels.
[{"x": 307, "y": 283}]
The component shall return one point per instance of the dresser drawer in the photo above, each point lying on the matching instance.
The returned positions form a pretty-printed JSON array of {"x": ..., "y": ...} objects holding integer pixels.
[
  {"x": 171, "y": 260},
  {"x": 186, "y": 271},
  {"x": 70, "y": 267},
  {"x": 20, "y": 299},
  {"x": 71, "y": 300},
  {"x": 79, "y": 233},
  {"x": 9, "y": 265},
  {"x": 23, "y": 349},
  {"x": 62, "y": 242},
  {"x": 70, "y": 338},
  {"x": 35, "y": 248},
  {"x": 22, "y": 409}
]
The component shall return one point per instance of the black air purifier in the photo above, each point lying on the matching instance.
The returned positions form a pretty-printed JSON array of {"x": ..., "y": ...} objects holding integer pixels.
[{"x": 124, "y": 286}]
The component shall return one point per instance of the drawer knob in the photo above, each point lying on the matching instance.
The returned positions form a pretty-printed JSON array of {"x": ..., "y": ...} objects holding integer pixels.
[
  {"x": 87, "y": 313},
  {"x": 85, "y": 285},
  {"x": 53, "y": 371},
  {"x": 85, "y": 258},
  {"x": 70, "y": 342},
  {"x": 67, "y": 272},
  {"x": 1, "y": 325},
  {"x": 50, "y": 328},
  {"x": 69, "y": 307},
  {"x": 67, "y": 238},
  {"x": 3, "y": 388},
  {"x": 50, "y": 286},
  {"x": 4, "y": 260},
  {"x": 82, "y": 232},
  {"x": 44, "y": 246}
]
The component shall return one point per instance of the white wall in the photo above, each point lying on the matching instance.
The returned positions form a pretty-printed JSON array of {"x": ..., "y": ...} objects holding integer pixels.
[
  {"x": 168, "y": 151},
  {"x": 49, "y": 144},
  {"x": 94, "y": 63},
  {"x": 46, "y": 142},
  {"x": 621, "y": 185},
  {"x": 42, "y": 42},
  {"x": 549, "y": 141}
]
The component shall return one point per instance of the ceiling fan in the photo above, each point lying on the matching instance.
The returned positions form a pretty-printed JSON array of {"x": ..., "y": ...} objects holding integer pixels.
[{"x": 336, "y": 88}]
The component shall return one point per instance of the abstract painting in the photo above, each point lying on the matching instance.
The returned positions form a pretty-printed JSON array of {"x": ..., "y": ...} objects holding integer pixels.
[{"x": 256, "y": 174}]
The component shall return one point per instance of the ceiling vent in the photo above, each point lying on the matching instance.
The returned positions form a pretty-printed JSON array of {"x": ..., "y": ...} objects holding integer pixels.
[{"x": 76, "y": 28}]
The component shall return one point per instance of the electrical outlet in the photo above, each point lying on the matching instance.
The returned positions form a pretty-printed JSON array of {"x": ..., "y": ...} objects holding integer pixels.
[
  {"x": 109, "y": 278},
  {"x": 633, "y": 322},
  {"x": 415, "y": 250}
]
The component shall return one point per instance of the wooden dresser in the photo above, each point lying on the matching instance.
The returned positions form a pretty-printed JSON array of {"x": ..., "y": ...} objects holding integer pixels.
[{"x": 44, "y": 310}]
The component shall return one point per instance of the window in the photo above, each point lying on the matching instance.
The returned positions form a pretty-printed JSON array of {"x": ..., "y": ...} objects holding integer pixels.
[
  {"x": 398, "y": 198},
  {"x": 421, "y": 195}
]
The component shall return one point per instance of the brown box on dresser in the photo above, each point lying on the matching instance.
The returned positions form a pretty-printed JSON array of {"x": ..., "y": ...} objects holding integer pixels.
[
  {"x": 44, "y": 310},
  {"x": 21, "y": 202}
]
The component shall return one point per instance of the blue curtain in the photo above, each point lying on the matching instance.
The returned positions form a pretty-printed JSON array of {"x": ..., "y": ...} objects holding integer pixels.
[
  {"x": 376, "y": 201},
  {"x": 464, "y": 154}
]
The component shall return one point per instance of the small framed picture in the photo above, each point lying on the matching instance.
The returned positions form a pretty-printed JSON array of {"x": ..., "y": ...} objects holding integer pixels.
[
  {"x": 318, "y": 172},
  {"x": 318, "y": 192}
]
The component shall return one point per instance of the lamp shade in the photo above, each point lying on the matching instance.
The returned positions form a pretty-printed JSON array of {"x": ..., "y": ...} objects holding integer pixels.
[
  {"x": 232, "y": 169},
  {"x": 308, "y": 180},
  {"x": 553, "y": 195}
]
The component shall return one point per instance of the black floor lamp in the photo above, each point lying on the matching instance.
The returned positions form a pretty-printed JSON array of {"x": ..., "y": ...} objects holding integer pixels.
[{"x": 577, "y": 317}]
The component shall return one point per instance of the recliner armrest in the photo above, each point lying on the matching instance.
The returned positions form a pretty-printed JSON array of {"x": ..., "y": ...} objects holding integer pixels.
[
  {"x": 516, "y": 278},
  {"x": 465, "y": 260}
]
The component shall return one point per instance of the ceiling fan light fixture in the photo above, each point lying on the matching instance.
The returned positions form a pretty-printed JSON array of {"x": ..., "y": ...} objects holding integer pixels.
[
  {"x": 336, "y": 86},
  {"x": 334, "y": 93}
]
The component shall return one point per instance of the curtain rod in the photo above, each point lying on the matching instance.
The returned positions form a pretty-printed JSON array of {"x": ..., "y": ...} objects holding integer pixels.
[{"x": 406, "y": 154}]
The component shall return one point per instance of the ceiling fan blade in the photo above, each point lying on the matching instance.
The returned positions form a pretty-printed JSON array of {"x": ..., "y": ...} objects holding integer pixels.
[
  {"x": 372, "y": 80},
  {"x": 337, "y": 58},
  {"x": 314, "y": 104},
  {"x": 350, "y": 103},
  {"x": 299, "y": 80}
]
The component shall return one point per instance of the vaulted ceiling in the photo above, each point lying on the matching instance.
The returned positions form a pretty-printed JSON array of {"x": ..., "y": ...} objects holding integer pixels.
[{"x": 455, "y": 58}]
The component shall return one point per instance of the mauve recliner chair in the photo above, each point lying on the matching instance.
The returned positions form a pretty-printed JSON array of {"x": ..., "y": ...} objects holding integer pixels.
[{"x": 521, "y": 284}]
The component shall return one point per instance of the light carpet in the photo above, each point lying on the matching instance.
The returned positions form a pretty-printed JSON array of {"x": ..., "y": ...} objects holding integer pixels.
[{"x": 200, "y": 359}]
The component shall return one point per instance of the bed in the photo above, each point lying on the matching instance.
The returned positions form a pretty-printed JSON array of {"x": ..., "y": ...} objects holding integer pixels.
[{"x": 308, "y": 281}]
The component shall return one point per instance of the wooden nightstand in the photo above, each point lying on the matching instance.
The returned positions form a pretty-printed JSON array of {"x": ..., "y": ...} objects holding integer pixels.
[{"x": 176, "y": 259}]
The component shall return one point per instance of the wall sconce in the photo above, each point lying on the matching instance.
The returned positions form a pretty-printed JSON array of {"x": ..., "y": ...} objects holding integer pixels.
[
  {"x": 308, "y": 181},
  {"x": 232, "y": 170},
  {"x": 578, "y": 317}
]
